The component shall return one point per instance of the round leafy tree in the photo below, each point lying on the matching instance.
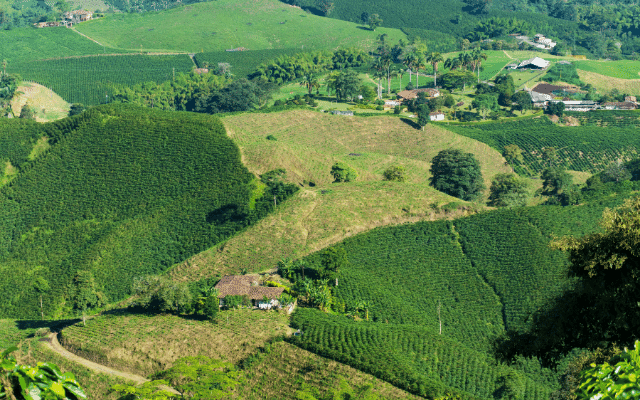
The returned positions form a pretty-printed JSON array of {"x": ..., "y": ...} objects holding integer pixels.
[
  {"x": 394, "y": 173},
  {"x": 343, "y": 173},
  {"x": 457, "y": 174},
  {"x": 508, "y": 190}
]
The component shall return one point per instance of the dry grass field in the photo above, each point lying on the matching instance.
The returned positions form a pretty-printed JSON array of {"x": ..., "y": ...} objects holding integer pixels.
[
  {"x": 45, "y": 102},
  {"x": 145, "y": 344},
  {"x": 605, "y": 84},
  {"x": 307, "y": 144}
]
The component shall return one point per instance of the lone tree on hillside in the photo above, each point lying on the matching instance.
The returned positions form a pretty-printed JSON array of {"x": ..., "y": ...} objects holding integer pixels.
[
  {"x": 508, "y": 190},
  {"x": 85, "y": 293},
  {"x": 394, "y": 173},
  {"x": 343, "y": 173},
  {"x": 457, "y": 174},
  {"x": 374, "y": 21}
]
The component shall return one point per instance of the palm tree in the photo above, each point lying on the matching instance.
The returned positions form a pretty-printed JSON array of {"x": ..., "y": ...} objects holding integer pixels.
[
  {"x": 434, "y": 59},
  {"x": 409, "y": 60},
  {"x": 310, "y": 82},
  {"x": 452, "y": 63},
  {"x": 400, "y": 73},
  {"x": 478, "y": 57},
  {"x": 386, "y": 60},
  {"x": 394, "y": 73},
  {"x": 417, "y": 64},
  {"x": 379, "y": 72}
]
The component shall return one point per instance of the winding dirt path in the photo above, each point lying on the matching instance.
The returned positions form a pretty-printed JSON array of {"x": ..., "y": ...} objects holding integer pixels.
[{"x": 55, "y": 346}]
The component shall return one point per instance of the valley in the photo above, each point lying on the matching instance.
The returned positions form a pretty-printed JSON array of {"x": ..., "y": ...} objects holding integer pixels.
[{"x": 319, "y": 200}]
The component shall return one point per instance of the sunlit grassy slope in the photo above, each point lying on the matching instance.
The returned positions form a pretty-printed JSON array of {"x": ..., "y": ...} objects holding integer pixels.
[
  {"x": 307, "y": 144},
  {"x": 227, "y": 24}
]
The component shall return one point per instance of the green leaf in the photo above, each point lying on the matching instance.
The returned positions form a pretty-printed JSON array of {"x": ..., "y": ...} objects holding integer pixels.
[
  {"x": 75, "y": 390},
  {"x": 8, "y": 351},
  {"x": 58, "y": 389}
]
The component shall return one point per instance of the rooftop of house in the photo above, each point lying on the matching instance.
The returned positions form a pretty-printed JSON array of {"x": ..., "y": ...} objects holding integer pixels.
[
  {"x": 537, "y": 61},
  {"x": 246, "y": 285},
  {"x": 620, "y": 104},
  {"x": 547, "y": 88},
  {"x": 412, "y": 94}
]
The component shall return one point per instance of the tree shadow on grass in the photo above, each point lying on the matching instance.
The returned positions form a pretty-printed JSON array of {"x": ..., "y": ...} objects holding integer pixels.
[
  {"x": 54, "y": 326},
  {"x": 411, "y": 123}
]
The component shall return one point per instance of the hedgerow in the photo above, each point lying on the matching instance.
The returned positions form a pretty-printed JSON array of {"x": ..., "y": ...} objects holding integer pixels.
[
  {"x": 243, "y": 63},
  {"x": 124, "y": 192}
]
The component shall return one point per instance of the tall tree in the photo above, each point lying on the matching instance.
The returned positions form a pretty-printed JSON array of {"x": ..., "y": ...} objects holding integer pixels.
[
  {"x": 85, "y": 294},
  {"x": 478, "y": 57},
  {"x": 457, "y": 174},
  {"x": 409, "y": 60},
  {"x": 434, "y": 59},
  {"x": 374, "y": 21},
  {"x": 379, "y": 72}
]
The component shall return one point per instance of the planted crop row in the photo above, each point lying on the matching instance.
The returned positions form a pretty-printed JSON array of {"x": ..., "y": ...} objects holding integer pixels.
[
  {"x": 90, "y": 80},
  {"x": 243, "y": 63},
  {"x": 123, "y": 192},
  {"x": 17, "y": 137},
  {"x": 408, "y": 356},
  {"x": 581, "y": 148}
]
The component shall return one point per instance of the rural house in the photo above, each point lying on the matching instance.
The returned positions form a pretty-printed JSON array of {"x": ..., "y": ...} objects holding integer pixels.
[
  {"x": 247, "y": 285},
  {"x": 543, "y": 42},
  {"x": 534, "y": 63},
  {"x": 436, "y": 116},
  {"x": 622, "y": 105},
  {"x": 412, "y": 94}
]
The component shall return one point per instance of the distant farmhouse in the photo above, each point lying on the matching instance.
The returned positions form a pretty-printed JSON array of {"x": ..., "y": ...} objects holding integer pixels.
[
  {"x": 68, "y": 19},
  {"x": 544, "y": 93},
  {"x": 246, "y": 285},
  {"x": 542, "y": 42},
  {"x": 436, "y": 116},
  {"x": 534, "y": 63},
  {"x": 406, "y": 95}
]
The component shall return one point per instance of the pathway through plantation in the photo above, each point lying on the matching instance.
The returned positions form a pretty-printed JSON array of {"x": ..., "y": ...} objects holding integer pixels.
[{"x": 53, "y": 344}]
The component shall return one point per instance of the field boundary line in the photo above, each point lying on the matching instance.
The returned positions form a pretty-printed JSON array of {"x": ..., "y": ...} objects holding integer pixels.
[
  {"x": 53, "y": 344},
  {"x": 82, "y": 34}
]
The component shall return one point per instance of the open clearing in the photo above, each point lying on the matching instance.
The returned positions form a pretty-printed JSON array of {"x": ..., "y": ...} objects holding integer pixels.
[
  {"x": 623, "y": 69},
  {"x": 604, "y": 84},
  {"x": 307, "y": 144},
  {"x": 130, "y": 342},
  {"x": 45, "y": 102},
  {"x": 228, "y": 24}
]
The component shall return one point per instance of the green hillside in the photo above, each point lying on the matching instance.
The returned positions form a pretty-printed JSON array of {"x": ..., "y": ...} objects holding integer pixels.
[
  {"x": 227, "y": 24},
  {"x": 623, "y": 69},
  {"x": 434, "y": 288},
  {"x": 410, "y": 357},
  {"x": 123, "y": 192},
  {"x": 27, "y": 44},
  {"x": 17, "y": 139},
  {"x": 586, "y": 148},
  {"x": 90, "y": 80}
]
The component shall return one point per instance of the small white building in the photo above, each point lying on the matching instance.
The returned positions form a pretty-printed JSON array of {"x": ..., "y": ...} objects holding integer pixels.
[
  {"x": 546, "y": 43},
  {"x": 436, "y": 116}
]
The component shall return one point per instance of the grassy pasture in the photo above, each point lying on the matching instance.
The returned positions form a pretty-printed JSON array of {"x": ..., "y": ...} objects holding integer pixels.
[
  {"x": 622, "y": 69},
  {"x": 26, "y": 44},
  {"x": 605, "y": 84},
  {"x": 307, "y": 144},
  {"x": 227, "y": 24},
  {"x": 47, "y": 104},
  {"x": 144, "y": 344}
]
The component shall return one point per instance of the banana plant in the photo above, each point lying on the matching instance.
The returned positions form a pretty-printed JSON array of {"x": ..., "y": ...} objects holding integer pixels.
[{"x": 42, "y": 382}]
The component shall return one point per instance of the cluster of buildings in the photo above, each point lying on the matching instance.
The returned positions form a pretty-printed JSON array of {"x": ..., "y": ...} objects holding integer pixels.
[
  {"x": 544, "y": 93},
  {"x": 68, "y": 19}
]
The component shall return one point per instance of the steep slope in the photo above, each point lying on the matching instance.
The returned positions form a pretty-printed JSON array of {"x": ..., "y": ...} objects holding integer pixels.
[
  {"x": 228, "y": 24},
  {"x": 123, "y": 192},
  {"x": 307, "y": 144},
  {"x": 438, "y": 294}
]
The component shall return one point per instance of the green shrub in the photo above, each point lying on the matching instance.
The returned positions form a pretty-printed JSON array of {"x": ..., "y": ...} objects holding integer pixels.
[{"x": 343, "y": 173}]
